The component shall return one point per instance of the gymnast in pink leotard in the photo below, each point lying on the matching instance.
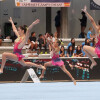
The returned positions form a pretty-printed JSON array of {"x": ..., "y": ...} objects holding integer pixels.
[
  {"x": 18, "y": 51},
  {"x": 56, "y": 61},
  {"x": 22, "y": 34},
  {"x": 91, "y": 51}
]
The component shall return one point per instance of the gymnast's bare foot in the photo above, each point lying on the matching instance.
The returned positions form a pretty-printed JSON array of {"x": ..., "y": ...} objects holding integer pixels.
[
  {"x": 41, "y": 76},
  {"x": 93, "y": 64},
  {"x": 74, "y": 81},
  {"x": 1, "y": 71}
]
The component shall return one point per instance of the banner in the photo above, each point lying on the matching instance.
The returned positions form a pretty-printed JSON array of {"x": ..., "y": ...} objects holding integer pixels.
[
  {"x": 42, "y": 3},
  {"x": 95, "y": 4}
]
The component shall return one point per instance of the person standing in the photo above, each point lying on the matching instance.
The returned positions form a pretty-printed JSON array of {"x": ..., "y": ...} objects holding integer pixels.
[
  {"x": 58, "y": 23},
  {"x": 83, "y": 21}
]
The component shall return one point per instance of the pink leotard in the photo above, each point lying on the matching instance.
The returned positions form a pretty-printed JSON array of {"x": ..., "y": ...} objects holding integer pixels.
[
  {"x": 18, "y": 51},
  {"x": 97, "y": 49},
  {"x": 56, "y": 61}
]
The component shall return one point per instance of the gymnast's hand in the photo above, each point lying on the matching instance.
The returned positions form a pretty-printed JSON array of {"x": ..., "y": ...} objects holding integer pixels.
[
  {"x": 85, "y": 9},
  {"x": 10, "y": 20},
  {"x": 36, "y": 21}
]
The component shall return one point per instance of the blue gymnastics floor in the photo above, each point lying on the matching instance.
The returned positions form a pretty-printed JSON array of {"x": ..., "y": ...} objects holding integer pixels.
[{"x": 50, "y": 91}]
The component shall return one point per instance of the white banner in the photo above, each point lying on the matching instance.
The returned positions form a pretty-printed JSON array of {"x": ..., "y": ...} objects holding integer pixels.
[{"x": 37, "y": 3}]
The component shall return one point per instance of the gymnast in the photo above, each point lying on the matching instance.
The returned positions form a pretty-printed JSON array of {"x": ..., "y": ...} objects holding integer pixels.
[
  {"x": 56, "y": 61},
  {"x": 91, "y": 51},
  {"x": 22, "y": 34}
]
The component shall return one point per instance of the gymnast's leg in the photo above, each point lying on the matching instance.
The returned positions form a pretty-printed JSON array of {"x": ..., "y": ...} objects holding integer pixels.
[{"x": 90, "y": 52}]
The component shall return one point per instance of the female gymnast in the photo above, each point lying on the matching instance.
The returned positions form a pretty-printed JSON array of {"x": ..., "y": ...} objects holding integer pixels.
[
  {"x": 56, "y": 61},
  {"x": 91, "y": 51},
  {"x": 22, "y": 34}
]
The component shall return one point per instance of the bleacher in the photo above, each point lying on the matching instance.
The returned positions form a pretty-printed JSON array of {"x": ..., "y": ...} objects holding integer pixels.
[{"x": 7, "y": 45}]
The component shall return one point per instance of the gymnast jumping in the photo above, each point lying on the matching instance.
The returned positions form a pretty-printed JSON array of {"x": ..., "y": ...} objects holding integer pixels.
[
  {"x": 91, "y": 51},
  {"x": 56, "y": 61},
  {"x": 22, "y": 34}
]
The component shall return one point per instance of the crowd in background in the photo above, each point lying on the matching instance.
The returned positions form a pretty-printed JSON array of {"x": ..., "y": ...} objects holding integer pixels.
[{"x": 70, "y": 50}]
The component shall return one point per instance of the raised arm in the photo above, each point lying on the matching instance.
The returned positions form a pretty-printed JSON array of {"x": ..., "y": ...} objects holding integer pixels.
[
  {"x": 90, "y": 18},
  {"x": 28, "y": 33},
  {"x": 13, "y": 27}
]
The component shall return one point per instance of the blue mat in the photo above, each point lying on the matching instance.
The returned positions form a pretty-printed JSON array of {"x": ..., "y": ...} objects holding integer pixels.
[{"x": 50, "y": 91}]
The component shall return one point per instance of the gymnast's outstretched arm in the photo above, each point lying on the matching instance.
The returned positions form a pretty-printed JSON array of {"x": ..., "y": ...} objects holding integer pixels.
[
  {"x": 28, "y": 34},
  {"x": 13, "y": 27},
  {"x": 90, "y": 18}
]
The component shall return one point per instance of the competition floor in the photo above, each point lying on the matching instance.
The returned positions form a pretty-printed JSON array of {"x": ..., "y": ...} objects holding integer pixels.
[{"x": 50, "y": 91}]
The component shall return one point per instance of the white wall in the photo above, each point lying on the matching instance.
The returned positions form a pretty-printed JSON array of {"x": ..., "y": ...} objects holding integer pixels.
[{"x": 26, "y": 16}]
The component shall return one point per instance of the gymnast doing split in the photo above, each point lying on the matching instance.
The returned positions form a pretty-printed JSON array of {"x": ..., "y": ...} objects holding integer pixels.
[{"x": 22, "y": 34}]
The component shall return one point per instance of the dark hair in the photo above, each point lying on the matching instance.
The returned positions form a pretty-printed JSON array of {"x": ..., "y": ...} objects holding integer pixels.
[
  {"x": 86, "y": 42},
  {"x": 83, "y": 13},
  {"x": 40, "y": 35},
  {"x": 58, "y": 12},
  {"x": 58, "y": 42},
  {"x": 24, "y": 27},
  {"x": 78, "y": 51},
  {"x": 51, "y": 34},
  {"x": 99, "y": 22},
  {"x": 60, "y": 49},
  {"x": 73, "y": 44},
  {"x": 32, "y": 33},
  {"x": 93, "y": 41},
  {"x": 68, "y": 50}
]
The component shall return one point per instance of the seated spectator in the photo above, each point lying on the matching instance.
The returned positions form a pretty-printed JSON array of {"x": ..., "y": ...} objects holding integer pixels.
[
  {"x": 8, "y": 37},
  {"x": 52, "y": 39},
  {"x": 93, "y": 42},
  {"x": 72, "y": 43},
  {"x": 87, "y": 42},
  {"x": 32, "y": 41},
  {"x": 78, "y": 52},
  {"x": 70, "y": 51},
  {"x": 42, "y": 43},
  {"x": 62, "y": 52},
  {"x": 89, "y": 34}
]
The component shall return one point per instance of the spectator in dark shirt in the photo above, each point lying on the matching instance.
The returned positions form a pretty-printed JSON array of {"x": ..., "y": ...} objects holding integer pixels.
[
  {"x": 83, "y": 25},
  {"x": 57, "y": 23},
  {"x": 78, "y": 52},
  {"x": 42, "y": 43},
  {"x": 32, "y": 41}
]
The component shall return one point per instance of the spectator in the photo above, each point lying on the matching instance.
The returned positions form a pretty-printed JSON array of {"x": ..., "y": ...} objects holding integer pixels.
[
  {"x": 62, "y": 52},
  {"x": 89, "y": 34},
  {"x": 70, "y": 51},
  {"x": 42, "y": 43},
  {"x": 78, "y": 52},
  {"x": 58, "y": 23},
  {"x": 83, "y": 25},
  {"x": 72, "y": 43},
  {"x": 93, "y": 42},
  {"x": 33, "y": 42},
  {"x": 87, "y": 42},
  {"x": 52, "y": 39}
]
